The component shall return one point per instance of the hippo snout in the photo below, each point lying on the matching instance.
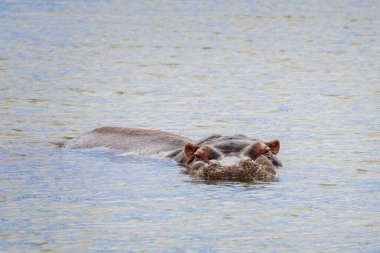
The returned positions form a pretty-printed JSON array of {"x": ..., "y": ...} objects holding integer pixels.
[{"x": 235, "y": 169}]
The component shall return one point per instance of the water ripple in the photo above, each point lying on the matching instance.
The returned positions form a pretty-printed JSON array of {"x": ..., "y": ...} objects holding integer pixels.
[{"x": 304, "y": 73}]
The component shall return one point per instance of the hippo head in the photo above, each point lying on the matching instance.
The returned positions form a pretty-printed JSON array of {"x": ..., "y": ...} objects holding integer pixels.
[{"x": 233, "y": 161}]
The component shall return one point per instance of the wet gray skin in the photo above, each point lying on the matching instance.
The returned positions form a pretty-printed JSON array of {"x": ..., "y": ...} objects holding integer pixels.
[{"x": 216, "y": 157}]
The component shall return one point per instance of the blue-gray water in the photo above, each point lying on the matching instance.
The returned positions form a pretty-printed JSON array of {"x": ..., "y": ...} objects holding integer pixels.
[{"x": 304, "y": 72}]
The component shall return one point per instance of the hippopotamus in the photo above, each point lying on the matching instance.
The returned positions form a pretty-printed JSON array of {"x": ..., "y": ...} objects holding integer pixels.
[{"x": 234, "y": 158}]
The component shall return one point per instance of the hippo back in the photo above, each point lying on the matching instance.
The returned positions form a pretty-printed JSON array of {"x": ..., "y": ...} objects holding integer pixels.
[{"x": 129, "y": 140}]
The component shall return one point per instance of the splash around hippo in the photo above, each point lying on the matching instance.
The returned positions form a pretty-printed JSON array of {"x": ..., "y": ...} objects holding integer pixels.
[{"x": 232, "y": 158}]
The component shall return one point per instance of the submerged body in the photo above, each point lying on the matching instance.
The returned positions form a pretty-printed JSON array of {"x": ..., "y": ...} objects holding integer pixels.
[{"x": 217, "y": 157}]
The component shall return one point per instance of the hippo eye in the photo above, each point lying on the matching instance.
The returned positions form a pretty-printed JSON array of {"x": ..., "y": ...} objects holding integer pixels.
[
  {"x": 198, "y": 158},
  {"x": 266, "y": 150}
]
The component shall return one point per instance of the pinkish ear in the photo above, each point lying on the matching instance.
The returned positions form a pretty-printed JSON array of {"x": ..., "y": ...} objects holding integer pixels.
[
  {"x": 274, "y": 146},
  {"x": 190, "y": 149}
]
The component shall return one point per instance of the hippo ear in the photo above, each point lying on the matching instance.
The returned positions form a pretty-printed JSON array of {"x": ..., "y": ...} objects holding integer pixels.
[
  {"x": 274, "y": 146},
  {"x": 190, "y": 149}
]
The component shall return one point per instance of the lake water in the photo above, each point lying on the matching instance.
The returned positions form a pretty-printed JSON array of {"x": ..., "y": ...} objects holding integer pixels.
[{"x": 304, "y": 72}]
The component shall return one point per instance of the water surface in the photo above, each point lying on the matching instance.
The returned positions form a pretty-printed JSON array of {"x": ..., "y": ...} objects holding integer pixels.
[{"x": 306, "y": 73}]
